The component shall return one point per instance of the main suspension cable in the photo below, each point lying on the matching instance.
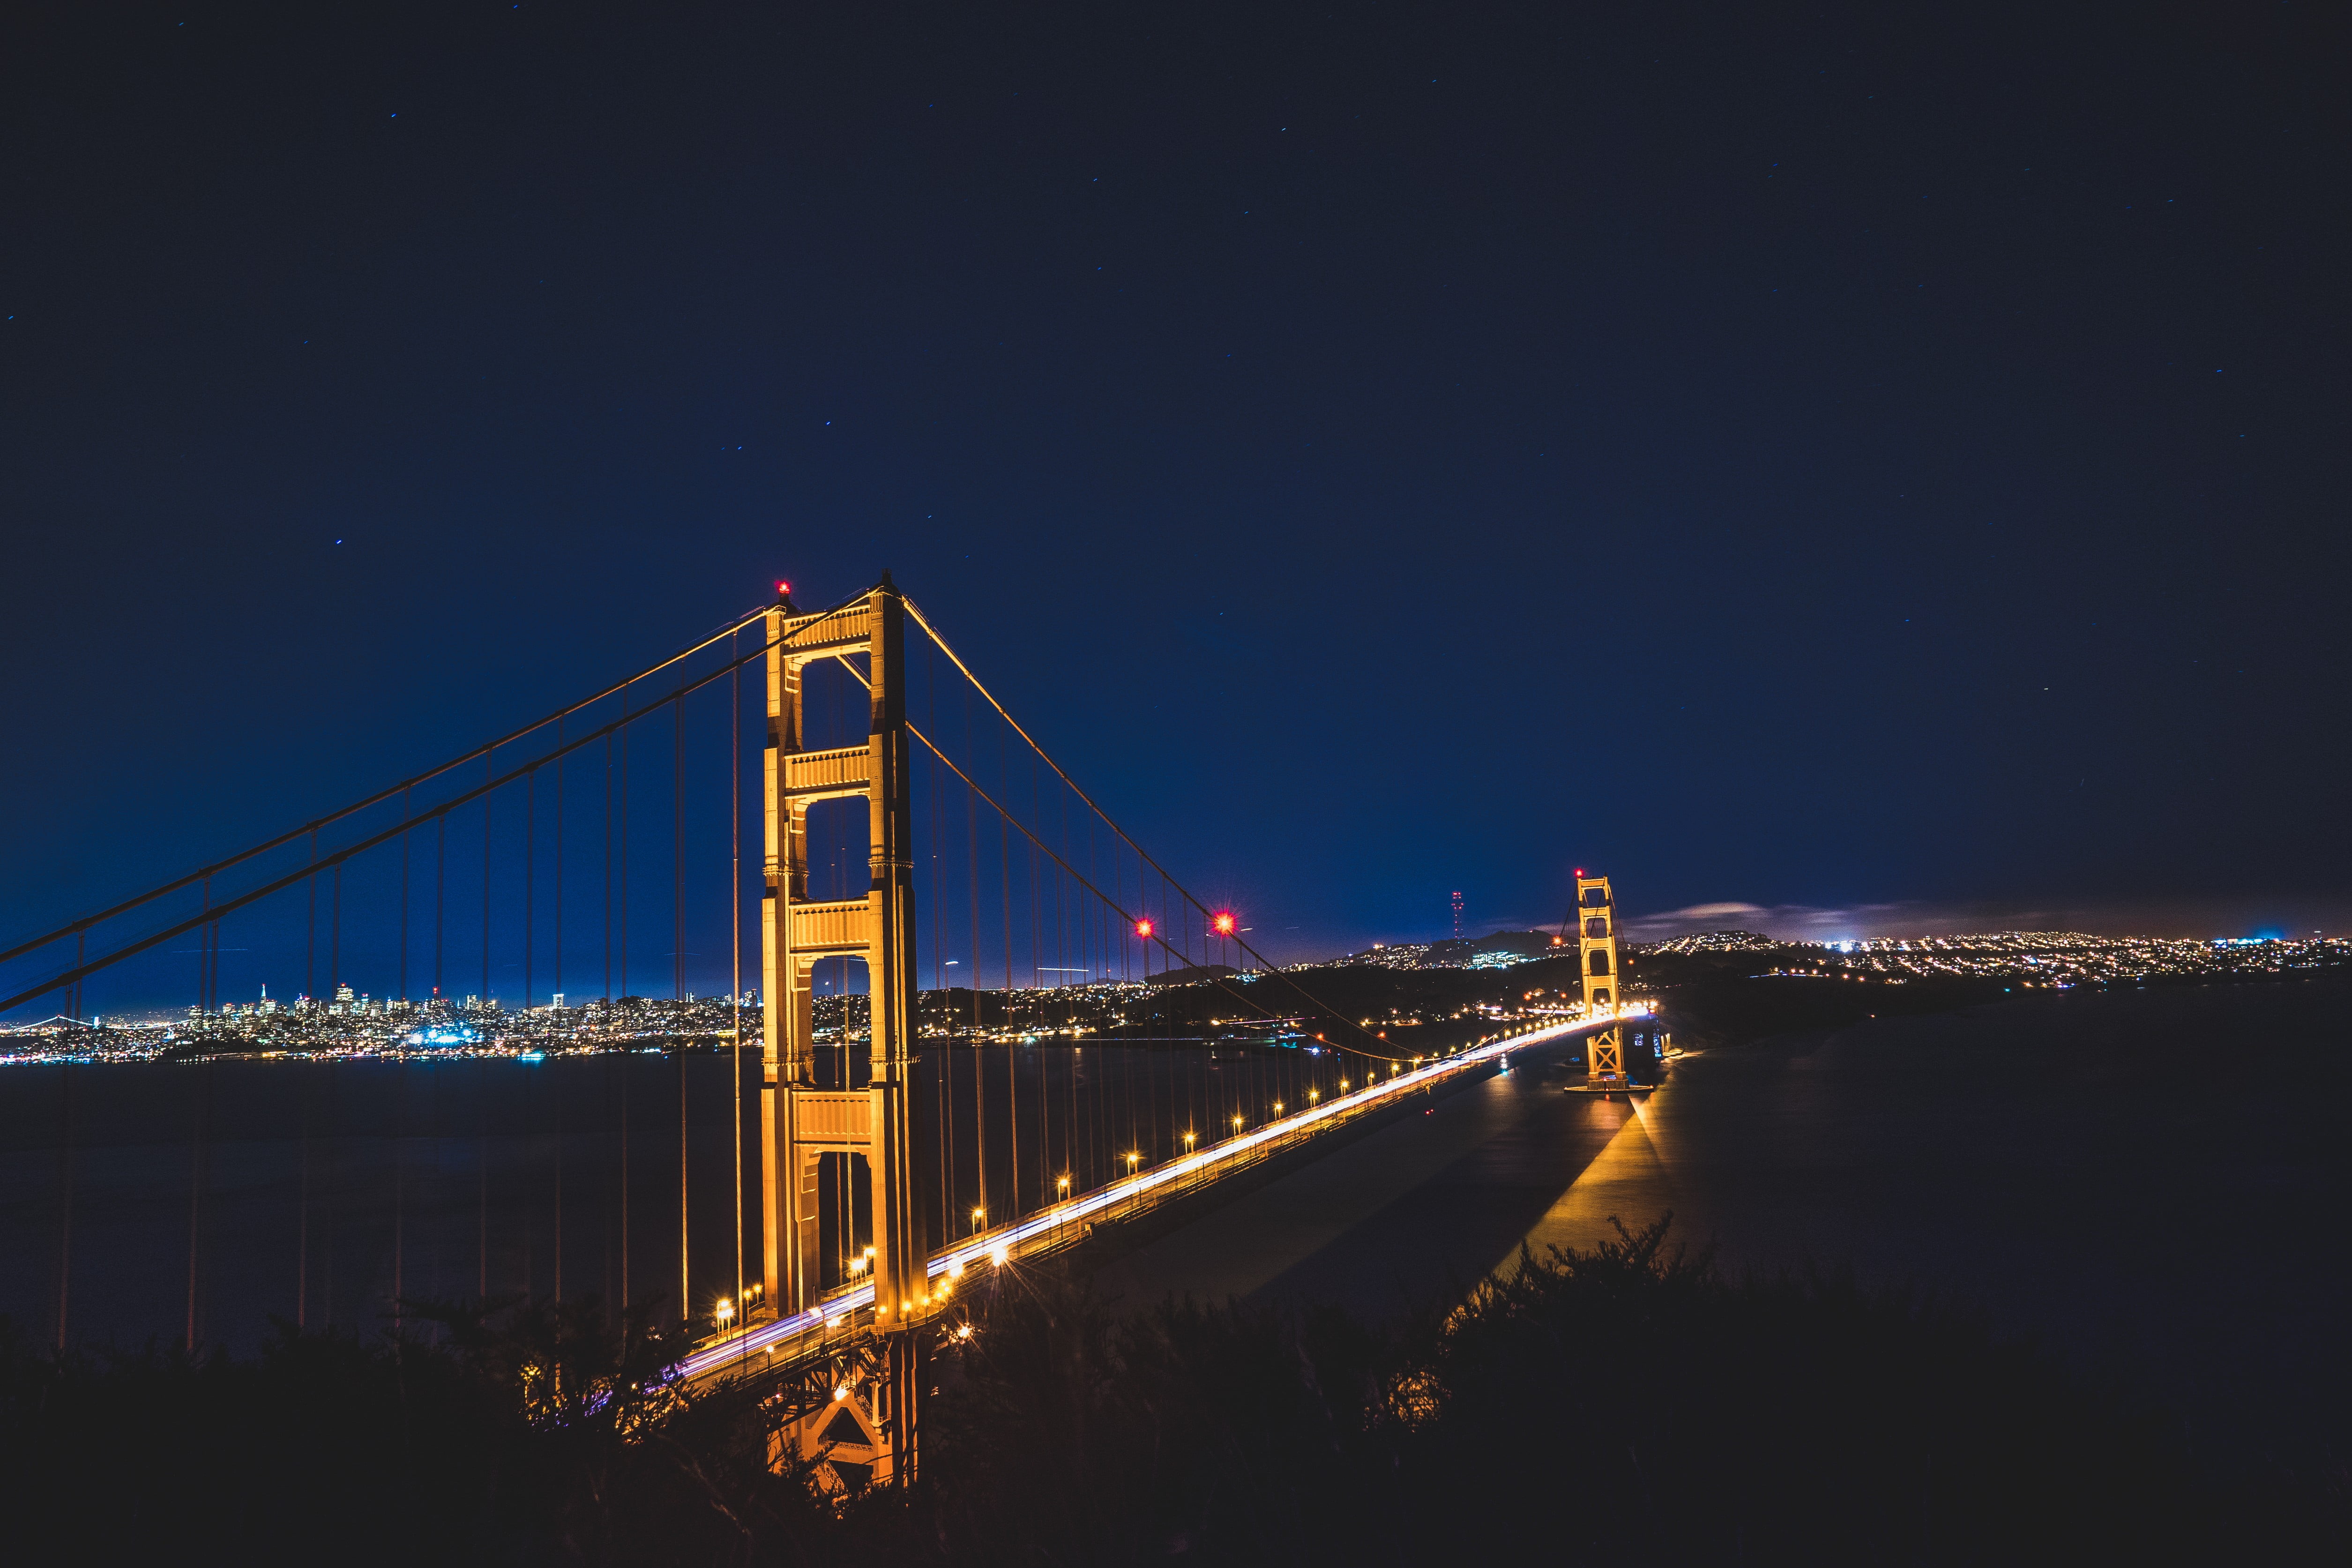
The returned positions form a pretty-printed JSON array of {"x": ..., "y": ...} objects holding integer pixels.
[{"x": 192, "y": 878}]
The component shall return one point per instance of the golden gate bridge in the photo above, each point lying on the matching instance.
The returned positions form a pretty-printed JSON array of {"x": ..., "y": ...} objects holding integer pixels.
[{"x": 904, "y": 823}]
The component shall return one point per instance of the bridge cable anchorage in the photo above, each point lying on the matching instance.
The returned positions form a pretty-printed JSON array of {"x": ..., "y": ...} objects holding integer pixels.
[
  {"x": 350, "y": 851},
  {"x": 1158, "y": 930},
  {"x": 916, "y": 614}
]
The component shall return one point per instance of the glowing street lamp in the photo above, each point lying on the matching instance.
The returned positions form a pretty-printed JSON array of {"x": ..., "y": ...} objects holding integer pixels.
[
  {"x": 1188, "y": 1141},
  {"x": 725, "y": 1311},
  {"x": 1224, "y": 922},
  {"x": 1062, "y": 1185},
  {"x": 1132, "y": 1159},
  {"x": 977, "y": 1215},
  {"x": 1143, "y": 928}
]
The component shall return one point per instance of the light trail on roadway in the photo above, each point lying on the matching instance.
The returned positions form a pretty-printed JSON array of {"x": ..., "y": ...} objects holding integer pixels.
[{"x": 1052, "y": 1225}]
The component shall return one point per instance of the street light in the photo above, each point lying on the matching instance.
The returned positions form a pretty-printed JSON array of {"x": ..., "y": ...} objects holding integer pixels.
[
  {"x": 725, "y": 1311},
  {"x": 1132, "y": 1158},
  {"x": 1062, "y": 1185},
  {"x": 977, "y": 1215},
  {"x": 1188, "y": 1141},
  {"x": 1223, "y": 922}
]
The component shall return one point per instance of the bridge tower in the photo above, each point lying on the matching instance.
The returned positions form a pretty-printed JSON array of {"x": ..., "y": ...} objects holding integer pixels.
[
  {"x": 801, "y": 1123},
  {"x": 1596, "y": 949}
]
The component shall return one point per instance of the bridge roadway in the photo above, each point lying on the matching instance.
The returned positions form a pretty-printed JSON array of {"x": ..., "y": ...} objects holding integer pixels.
[{"x": 847, "y": 1314}]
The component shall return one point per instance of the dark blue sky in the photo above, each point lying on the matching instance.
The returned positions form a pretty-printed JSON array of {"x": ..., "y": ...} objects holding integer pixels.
[{"x": 1835, "y": 461}]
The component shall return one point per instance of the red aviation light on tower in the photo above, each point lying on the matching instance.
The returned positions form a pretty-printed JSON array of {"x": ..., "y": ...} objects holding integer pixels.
[
  {"x": 1224, "y": 922},
  {"x": 1143, "y": 928}
]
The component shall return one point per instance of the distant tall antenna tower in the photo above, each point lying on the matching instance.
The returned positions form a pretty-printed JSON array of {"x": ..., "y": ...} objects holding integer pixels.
[{"x": 1458, "y": 914}]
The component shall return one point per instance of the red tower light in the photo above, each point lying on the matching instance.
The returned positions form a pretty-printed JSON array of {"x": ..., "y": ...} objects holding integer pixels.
[
  {"x": 1224, "y": 923},
  {"x": 1143, "y": 928}
]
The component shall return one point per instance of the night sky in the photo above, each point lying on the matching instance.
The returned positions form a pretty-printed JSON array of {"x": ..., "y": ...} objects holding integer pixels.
[{"x": 1886, "y": 471}]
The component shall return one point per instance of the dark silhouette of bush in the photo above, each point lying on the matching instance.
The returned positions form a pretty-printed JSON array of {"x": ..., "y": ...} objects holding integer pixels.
[{"x": 1624, "y": 1405}]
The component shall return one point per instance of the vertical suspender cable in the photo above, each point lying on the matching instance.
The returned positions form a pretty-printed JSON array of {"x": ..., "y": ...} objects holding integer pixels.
[
  {"x": 486, "y": 888},
  {"x": 528, "y": 1121},
  {"x": 677, "y": 848},
  {"x": 611, "y": 1059},
  {"x": 1004, "y": 887},
  {"x": 735, "y": 937},
  {"x": 399, "y": 1187},
  {"x": 979, "y": 1077},
  {"x": 555, "y": 1092},
  {"x": 608, "y": 875},
  {"x": 624, "y": 903},
  {"x": 944, "y": 1057},
  {"x": 1036, "y": 974},
  {"x": 65, "y": 1187},
  {"x": 529, "y": 880},
  {"x": 302, "y": 1224},
  {"x": 624, "y": 1126},
  {"x": 403, "y": 896},
  {"x": 196, "y": 1186},
  {"x": 334, "y": 1145},
  {"x": 557, "y": 986},
  {"x": 1070, "y": 1084},
  {"x": 311, "y": 947},
  {"x": 482, "y": 1185},
  {"x": 678, "y": 977},
  {"x": 440, "y": 896}
]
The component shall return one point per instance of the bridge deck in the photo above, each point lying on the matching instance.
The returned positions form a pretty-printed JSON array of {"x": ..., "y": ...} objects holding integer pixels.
[{"x": 847, "y": 1314}]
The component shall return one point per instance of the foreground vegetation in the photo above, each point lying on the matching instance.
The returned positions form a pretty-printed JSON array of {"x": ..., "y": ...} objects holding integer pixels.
[{"x": 1629, "y": 1404}]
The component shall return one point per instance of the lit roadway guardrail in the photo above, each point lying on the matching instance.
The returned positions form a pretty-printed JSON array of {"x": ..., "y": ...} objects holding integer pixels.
[{"x": 1051, "y": 1225}]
